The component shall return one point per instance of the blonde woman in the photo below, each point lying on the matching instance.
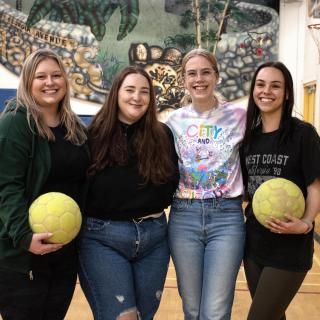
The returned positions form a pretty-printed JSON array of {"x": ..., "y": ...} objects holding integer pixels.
[
  {"x": 206, "y": 224},
  {"x": 42, "y": 149}
]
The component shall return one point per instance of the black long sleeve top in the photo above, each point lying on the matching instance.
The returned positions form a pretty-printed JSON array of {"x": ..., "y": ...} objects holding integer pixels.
[{"x": 118, "y": 192}]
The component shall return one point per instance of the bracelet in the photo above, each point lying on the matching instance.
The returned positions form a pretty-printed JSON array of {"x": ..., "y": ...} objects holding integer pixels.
[{"x": 309, "y": 224}]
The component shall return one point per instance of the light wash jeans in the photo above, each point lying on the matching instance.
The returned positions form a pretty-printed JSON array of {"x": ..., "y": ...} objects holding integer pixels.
[
  {"x": 123, "y": 266},
  {"x": 206, "y": 239}
]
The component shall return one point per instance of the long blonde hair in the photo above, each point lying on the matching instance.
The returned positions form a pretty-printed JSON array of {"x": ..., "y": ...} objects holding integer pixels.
[
  {"x": 195, "y": 53},
  {"x": 75, "y": 129}
]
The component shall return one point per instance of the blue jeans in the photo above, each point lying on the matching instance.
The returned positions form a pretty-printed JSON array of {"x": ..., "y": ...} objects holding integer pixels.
[
  {"x": 123, "y": 266},
  {"x": 206, "y": 239}
]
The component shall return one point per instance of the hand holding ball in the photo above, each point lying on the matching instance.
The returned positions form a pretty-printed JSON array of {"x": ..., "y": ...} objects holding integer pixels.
[
  {"x": 56, "y": 213},
  {"x": 277, "y": 197}
]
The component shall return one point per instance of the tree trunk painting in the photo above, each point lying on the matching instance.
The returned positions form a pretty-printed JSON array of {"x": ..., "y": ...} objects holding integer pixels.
[
  {"x": 19, "y": 5},
  {"x": 224, "y": 14},
  {"x": 208, "y": 22},
  {"x": 196, "y": 12}
]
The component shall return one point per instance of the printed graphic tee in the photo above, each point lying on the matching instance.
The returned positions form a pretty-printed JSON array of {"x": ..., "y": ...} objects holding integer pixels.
[
  {"x": 207, "y": 144},
  {"x": 298, "y": 160}
]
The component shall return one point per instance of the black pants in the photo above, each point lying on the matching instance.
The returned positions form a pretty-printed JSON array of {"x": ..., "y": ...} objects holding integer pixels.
[
  {"x": 47, "y": 296},
  {"x": 271, "y": 290}
]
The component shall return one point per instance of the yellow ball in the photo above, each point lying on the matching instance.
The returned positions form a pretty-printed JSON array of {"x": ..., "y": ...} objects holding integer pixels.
[
  {"x": 56, "y": 213},
  {"x": 277, "y": 197}
]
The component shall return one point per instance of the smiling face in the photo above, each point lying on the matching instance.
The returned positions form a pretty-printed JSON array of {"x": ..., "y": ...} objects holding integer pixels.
[
  {"x": 200, "y": 79},
  {"x": 48, "y": 86},
  {"x": 269, "y": 91},
  {"x": 133, "y": 98}
]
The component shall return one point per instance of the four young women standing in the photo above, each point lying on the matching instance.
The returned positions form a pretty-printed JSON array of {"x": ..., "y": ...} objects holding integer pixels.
[{"x": 123, "y": 245}]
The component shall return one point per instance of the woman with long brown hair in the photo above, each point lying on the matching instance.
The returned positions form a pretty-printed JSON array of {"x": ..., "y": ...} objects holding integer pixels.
[
  {"x": 123, "y": 246},
  {"x": 279, "y": 254}
]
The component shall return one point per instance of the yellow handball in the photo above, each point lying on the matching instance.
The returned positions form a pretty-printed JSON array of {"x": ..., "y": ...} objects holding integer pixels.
[
  {"x": 277, "y": 197},
  {"x": 56, "y": 213}
]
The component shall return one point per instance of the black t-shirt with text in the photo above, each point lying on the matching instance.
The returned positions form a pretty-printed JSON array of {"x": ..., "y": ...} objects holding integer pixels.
[{"x": 296, "y": 159}]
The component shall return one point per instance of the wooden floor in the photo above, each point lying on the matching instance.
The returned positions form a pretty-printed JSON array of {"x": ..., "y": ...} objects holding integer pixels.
[{"x": 305, "y": 306}]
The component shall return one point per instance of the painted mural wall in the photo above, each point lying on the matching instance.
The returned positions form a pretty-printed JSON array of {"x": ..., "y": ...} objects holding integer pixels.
[
  {"x": 96, "y": 38},
  {"x": 314, "y": 8}
]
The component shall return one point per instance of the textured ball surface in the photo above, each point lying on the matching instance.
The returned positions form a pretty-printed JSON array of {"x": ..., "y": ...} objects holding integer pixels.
[
  {"x": 277, "y": 197},
  {"x": 57, "y": 213}
]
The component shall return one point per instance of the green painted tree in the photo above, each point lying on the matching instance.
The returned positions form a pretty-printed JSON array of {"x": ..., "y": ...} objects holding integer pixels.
[
  {"x": 19, "y": 5},
  {"x": 211, "y": 17},
  {"x": 93, "y": 13}
]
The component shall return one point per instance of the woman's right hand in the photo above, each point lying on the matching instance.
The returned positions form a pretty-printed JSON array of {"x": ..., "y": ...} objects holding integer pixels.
[{"x": 37, "y": 246}]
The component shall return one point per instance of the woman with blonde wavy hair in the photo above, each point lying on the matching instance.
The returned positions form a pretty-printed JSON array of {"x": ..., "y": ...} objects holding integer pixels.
[
  {"x": 75, "y": 131},
  {"x": 42, "y": 149}
]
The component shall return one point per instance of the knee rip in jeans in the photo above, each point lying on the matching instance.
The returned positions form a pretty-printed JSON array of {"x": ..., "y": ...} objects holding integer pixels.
[
  {"x": 159, "y": 294},
  {"x": 129, "y": 314},
  {"x": 120, "y": 298}
]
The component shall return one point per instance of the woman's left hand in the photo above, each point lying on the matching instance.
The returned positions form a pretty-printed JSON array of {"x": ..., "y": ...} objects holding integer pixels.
[{"x": 291, "y": 226}]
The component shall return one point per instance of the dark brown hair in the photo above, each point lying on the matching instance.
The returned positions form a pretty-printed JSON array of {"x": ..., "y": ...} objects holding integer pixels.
[
  {"x": 151, "y": 142},
  {"x": 253, "y": 112}
]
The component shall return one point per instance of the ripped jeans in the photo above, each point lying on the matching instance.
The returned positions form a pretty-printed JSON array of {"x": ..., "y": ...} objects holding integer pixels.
[{"x": 123, "y": 266}]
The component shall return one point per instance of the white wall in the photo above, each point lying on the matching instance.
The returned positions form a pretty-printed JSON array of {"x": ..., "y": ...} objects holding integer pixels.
[
  {"x": 7, "y": 79},
  {"x": 298, "y": 51}
]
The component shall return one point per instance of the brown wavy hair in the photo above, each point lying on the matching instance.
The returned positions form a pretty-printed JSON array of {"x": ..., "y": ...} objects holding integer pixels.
[{"x": 151, "y": 143}]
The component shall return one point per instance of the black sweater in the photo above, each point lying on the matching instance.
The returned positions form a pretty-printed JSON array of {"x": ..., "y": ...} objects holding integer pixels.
[{"x": 118, "y": 192}]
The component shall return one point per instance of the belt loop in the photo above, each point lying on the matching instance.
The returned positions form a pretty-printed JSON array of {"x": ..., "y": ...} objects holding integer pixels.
[
  {"x": 215, "y": 202},
  {"x": 147, "y": 217},
  {"x": 137, "y": 221}
]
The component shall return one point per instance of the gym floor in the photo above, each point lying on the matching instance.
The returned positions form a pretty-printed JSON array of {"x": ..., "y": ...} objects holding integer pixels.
[{"x": 305, "y": 306}]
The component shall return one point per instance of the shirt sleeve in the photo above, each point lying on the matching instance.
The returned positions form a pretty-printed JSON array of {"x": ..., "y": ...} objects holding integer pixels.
[
  {"x": 170, "y": 123},
  {"x": 14, "y": 161},
  {"x": 310, "y": 154},
  {"x": 243, "y": 168},
  {"x": 174, "y": 157}
]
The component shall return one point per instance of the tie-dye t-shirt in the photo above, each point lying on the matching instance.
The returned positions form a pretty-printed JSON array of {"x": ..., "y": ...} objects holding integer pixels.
[{"x": 207, "y": 144}]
